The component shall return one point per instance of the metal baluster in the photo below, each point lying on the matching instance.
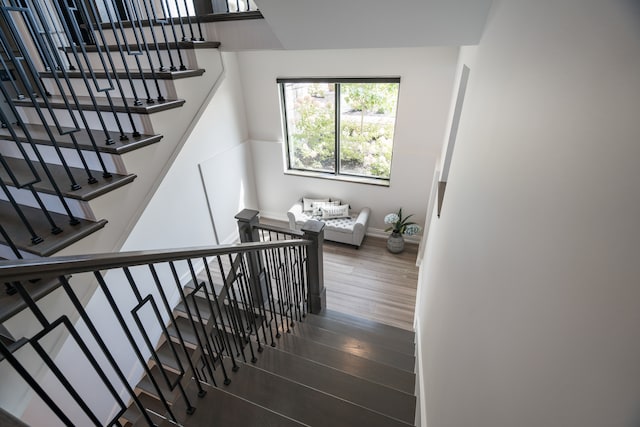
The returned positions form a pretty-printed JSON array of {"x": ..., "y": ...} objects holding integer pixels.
[
  {"x": 129, "y": 53},
  {"x": 213, "y": 318},
  {"x": 246, "y": 286},
  {"x": 103, "y": 346},
  {"x": 175, "y": 37},
  {"x": 56, "y": 60},
  {"x": 116, "y": 310},
  {"x": 35, "y": 239},
  {"x": 127, "y": 70},
  {"x": 42, "y": 394},
  {"x": 141, "y": 302},
  {"x": 227, "y": 281},
  {"x": 165, "y": 302},
  {"x": 146, "y": 50},
  {"x": 217, "y": 306},
  {"x": 236, "y": 307},
  {"x": 186, "y": 10},
  {"x": 162, "y": 23},
  {"x": 191, "y": 319},
  {"x": 50, "y": 63},
  {"x": 268, "y": 265},
  {"x": 23, "y": 77}
]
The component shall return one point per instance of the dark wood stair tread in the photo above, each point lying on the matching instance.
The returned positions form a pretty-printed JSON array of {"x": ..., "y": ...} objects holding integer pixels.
[
  {"x": 368, "y": 324},
  {"x": 349, "y": 363},
  {"x": 10, "y": 305},
  {"x": 186, "y": 45},
  {"x": 220, "y": 408},
  {"x": 300, "y": 402},
  {"x": 146, "y": 385},
  {"x": 376, "y": 397},
  {"x": 39, "y": 135},
  {"x": 355, "y": 346},
  {"x": 52, "y": 242},
  {"x": 168, "y": 359},
  {"x": 122, "y": 74},
  {"x": 133, "y": 415},
  {"x": 378, "y": 337},
  {"x": 85, "y": 104},
  {"x": 20, "y": 169}
]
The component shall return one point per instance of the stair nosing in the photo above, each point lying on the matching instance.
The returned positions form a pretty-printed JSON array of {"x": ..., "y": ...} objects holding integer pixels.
[
  {"x": 122, "y": 74},
  {"x": 375, "y": 349},
  {"x": 407, "y": 347},
  {"x": 248, "y": 366},
  {"x": 56, "y": 103},
  {"x": 412, "y": 374},
  {"x": 183, "y": 45},
  {"x": 390, "y": 389},
  {"x": 86, "y": 193},
  {"x": 118, "y": 147}
]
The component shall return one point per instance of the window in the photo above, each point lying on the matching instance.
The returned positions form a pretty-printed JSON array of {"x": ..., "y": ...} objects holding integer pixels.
[{"x": 340, "y": 127}]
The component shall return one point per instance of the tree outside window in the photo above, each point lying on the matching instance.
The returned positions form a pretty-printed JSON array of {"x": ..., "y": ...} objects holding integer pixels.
[{"x": 340, "y": 127}]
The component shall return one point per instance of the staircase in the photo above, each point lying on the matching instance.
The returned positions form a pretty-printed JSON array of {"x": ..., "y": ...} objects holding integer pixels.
[
  {"x": 80, "y": 120},
  {"x": 89, "y": 130},
  {"x": 332, "y": 369}
]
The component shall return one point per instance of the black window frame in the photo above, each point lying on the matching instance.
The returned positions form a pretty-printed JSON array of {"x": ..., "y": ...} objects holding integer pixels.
[{"x": 337, "y": 174}]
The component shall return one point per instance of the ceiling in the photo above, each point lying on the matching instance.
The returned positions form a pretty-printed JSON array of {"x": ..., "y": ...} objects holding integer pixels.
[{"x": 331, "y": 24}]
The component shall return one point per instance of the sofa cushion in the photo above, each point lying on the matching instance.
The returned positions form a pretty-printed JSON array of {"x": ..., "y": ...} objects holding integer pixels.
[
  {"x": 331, "y": 212},
  {"x": 307, "y": 204}
]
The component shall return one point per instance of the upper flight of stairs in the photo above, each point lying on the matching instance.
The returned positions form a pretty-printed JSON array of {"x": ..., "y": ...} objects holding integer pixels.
[
  {"x": 116, "y": 169},
  {"x": 331, "y": 369}
]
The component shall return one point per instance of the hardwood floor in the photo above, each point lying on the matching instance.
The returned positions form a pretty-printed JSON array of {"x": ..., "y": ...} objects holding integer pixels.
[{"x": 370, "y": 282}]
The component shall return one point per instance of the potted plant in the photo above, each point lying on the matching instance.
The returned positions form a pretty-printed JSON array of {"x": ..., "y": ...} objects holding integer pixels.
[{"x": 399, "y": 226}]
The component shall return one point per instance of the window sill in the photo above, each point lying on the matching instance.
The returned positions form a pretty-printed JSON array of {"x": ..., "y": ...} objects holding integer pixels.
[{"x": 344, "y": 178}]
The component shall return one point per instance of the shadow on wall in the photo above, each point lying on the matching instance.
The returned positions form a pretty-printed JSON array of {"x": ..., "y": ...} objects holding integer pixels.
[{"x": 229, "y": 186}]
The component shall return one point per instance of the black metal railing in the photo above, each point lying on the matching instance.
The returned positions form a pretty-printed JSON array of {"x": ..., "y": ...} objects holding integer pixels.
[
  {"x": 200, "y": 311},
  {"x": 70, "y": 86}
]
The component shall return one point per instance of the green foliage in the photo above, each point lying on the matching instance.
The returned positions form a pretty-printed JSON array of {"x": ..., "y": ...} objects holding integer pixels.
[
  {"x": 367, "y": 150},
  {"x": 365, "y": 144},
  {"x": 313, "y": 141}
]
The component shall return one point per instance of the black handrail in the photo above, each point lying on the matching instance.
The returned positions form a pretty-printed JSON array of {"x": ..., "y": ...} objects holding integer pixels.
[{"x": 26, "y": 269}]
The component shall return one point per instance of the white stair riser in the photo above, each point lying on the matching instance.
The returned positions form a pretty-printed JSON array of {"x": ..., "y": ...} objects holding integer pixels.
[
  {"x": 79, "y": 208},
  {"x": 167, "y": 88},
  {"x": 130, "y": 34},
  {"x": 113, "y": 163},
  {"x": 142, "y": 122},
  {"x": 7, "y": 253},
  {"x": 147, "y": 61}
]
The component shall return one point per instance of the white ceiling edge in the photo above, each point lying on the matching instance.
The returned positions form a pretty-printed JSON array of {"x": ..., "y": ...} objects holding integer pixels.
[{"x": 343, "y": 24}]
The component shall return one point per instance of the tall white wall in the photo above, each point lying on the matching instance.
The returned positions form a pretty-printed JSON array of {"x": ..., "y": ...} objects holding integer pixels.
[
  {"x": 529, "y": 305},
  {"x": 427, "y": 78},
  {"x": 178, "y": 214}
]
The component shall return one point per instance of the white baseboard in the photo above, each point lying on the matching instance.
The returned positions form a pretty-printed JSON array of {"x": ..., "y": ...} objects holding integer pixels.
[{"x": 378, "y": 232}]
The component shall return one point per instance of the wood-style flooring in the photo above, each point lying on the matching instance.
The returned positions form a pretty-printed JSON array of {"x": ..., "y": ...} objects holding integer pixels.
[{"x": 370, "y": 282}]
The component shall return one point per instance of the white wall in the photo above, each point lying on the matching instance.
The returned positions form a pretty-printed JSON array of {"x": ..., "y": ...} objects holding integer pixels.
[
  {"x": 427, "y": 78},
  {"x": 230, "y": 186},
  {"x": 529, "y": 302},
  {"x": 178, "y": 215}
]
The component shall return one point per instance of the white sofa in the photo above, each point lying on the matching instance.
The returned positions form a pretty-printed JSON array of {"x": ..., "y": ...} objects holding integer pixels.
[{"x": 349, "y": 230}]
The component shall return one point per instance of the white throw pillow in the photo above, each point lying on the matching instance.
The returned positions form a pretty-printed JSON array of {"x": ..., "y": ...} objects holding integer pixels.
[
  {"x": 307, "y": 204},
  {"x": 330, "y": 212},
  {"x": 317, "y": 206}
]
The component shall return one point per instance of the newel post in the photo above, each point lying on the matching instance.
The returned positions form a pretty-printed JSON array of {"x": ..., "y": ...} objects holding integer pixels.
[
  {"x": 248, "y": 220},
  {"x": 314, "y": 231}
]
